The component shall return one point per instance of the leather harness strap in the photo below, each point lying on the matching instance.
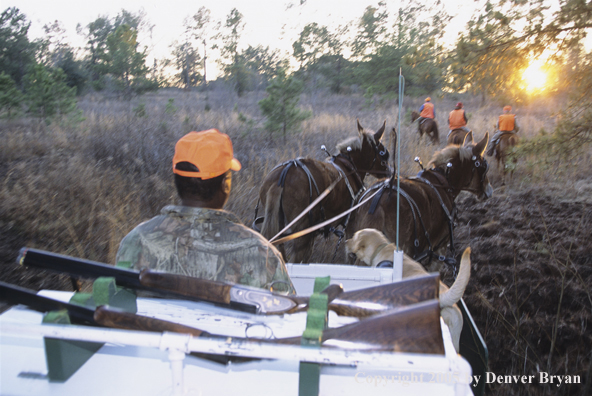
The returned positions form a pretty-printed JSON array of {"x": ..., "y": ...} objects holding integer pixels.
[
  {"x": 311, "y": 181},
  {"x": 417, "y": 214},
  {"x": 449, "y": 213},
  {"x": 414, "y": 211}
]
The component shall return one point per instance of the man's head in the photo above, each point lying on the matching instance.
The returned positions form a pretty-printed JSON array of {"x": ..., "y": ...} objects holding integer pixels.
[
  {"x": 459, "y": 105},
  {"x": 428, "y": 99},
  {"x": 507, "y": 109},
  {"x": 202, "y": 165}
]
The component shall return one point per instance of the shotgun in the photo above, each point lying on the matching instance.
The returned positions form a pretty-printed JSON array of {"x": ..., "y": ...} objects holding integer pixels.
[
  {"x": 413, "y": 329},
  {"x": 358, "y": 303}
]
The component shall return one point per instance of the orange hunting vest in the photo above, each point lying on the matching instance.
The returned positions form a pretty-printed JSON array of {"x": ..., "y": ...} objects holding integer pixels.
[
  {"x": 428, "y": 110},
  {"x": 506, "y": 122},
  {"x": 456, "y": 119}
]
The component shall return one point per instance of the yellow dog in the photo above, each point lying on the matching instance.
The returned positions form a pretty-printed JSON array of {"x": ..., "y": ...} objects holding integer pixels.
[{"x": 372, "y": 247}]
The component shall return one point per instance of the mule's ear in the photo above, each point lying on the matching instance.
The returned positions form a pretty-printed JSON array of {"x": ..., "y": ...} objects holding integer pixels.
[
  {"x": 468, "y": 139},
  {"x": 360, "y": 127},
  {"x": 380, "y": 132},
  {"x": 482, "y": 145}
]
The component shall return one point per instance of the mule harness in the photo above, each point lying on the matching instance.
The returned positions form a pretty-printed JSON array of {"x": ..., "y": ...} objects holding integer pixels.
[
  {"x": 429, "y": 252},
  {"x": 312, "y": 182},
  {"x": 450, "y": 215}
]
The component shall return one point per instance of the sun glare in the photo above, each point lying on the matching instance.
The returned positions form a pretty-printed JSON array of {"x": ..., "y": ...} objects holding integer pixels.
[{"x": 534, "y": 77}]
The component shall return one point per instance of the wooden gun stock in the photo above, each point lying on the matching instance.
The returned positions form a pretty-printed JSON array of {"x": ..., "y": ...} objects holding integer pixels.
[
  {"x": 412, "y": 329},
  {"x": 373, "y": 300}
]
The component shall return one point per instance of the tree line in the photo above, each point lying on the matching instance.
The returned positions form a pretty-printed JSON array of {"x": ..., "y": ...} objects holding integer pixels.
[{"x": 367, "y": 55}]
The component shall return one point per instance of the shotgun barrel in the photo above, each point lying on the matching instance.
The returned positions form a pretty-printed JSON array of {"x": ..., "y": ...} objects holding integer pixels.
[{"x": 358, "y": 303}]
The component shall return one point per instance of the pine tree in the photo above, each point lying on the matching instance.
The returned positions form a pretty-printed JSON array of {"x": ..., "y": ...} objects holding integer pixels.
[
  {"x": 10, "y": 96},
  {"x": 281, "y": 105},
  {"x": 47, "y": 94}
]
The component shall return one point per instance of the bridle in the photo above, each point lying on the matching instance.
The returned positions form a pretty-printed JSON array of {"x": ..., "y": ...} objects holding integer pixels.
[
  {"x": 379, "y": 151},
  {"x": 480, "y": 164}
]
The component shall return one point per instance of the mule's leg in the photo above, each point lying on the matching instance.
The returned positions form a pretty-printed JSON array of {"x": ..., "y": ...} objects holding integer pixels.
[
  {"x": 282, "y": 249},
  {"x": 501, "y": 167}
]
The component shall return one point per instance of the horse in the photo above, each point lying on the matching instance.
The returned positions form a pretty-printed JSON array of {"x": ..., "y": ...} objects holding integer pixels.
[
  {"x": 428, "y": 126},
  {"x": 293, "y": 185},
  {"x": 504, "y": 144},
  {"x": 456, "y": 136},
  {"x": 427, "y": 201}
]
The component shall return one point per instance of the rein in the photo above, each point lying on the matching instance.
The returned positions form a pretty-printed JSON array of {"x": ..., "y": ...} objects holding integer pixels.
[
  {"x": 342, "y": 175},
  {"x": 320, "y": 225},
  {"x": 309, "y": 207}
]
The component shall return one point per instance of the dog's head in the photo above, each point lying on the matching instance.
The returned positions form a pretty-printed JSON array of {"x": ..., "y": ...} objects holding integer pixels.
[{"x": 364, "y": 243}]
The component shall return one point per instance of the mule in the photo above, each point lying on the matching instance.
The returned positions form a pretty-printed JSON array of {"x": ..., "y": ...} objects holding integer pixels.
[
  {"x": 429, "y": 127},
  {"x": 456, "y": 136},
  {"x": 427, "y": 201},
  {"x": 502, "y": 148},
  {"x": 292, "y": 186}
]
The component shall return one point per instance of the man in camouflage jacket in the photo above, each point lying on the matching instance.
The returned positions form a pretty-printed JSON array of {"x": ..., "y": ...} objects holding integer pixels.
[{"x": 199, "y": 238}]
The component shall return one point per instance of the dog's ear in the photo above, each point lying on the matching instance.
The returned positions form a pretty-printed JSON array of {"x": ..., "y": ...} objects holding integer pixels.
[{"x": 358, "y": 243}]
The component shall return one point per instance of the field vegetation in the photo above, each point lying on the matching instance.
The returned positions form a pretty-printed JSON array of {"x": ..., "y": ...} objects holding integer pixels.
[
  {"x": 88, "y": 136},
  {"x": 78, "y": 189}
]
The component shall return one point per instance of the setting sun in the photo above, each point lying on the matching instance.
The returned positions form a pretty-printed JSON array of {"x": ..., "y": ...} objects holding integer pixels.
[{"x": 534, "y": 77}]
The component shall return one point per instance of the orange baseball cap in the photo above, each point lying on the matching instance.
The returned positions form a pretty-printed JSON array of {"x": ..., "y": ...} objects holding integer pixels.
[
  {"x": 210, "y": 151},
  {"x": 508, "y": 108}
]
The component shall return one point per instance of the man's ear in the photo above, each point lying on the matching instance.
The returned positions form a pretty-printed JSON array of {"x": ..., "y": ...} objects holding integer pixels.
[{"x": 227, "y": 183}]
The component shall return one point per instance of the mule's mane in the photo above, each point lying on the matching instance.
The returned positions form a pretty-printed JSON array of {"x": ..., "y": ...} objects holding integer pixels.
[
  {"x": 448, "y": 153},
  {"x": 355, "y": 142}
]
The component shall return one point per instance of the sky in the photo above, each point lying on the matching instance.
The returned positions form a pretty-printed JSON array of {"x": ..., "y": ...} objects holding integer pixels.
[{"x": 274, "y": 23}]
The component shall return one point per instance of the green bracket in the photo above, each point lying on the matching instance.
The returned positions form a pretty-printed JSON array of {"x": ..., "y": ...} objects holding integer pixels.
[
  {"x": 65, "y": 357},
  {"x": 106, "y": 292},
  {"x": 316, "y": 322}
]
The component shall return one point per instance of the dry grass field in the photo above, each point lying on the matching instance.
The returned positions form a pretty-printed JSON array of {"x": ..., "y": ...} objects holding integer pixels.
[{"x": 77, "y": 189}]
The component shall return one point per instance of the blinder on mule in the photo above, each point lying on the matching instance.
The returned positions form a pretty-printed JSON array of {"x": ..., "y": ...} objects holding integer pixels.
[
  {"x": 382, "y": 153},
  {"x": 481, "y": 166}
]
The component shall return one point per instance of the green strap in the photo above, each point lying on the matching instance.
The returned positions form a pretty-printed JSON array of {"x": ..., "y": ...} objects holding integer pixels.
[{"x": 316, "y": 322}]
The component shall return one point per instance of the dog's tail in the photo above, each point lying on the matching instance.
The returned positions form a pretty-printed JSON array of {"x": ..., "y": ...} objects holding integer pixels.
[{"x": 456, "y": 291}]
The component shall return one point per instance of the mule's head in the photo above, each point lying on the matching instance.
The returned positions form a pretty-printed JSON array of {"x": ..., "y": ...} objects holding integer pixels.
[
  {"x": 465, "y": 166},
  {"x": 372, "y": 156},
  {"x": 414, "y": 115}
]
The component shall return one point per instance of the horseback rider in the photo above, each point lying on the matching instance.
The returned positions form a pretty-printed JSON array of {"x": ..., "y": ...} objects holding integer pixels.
[
  {"x": 507, "y": 123},
  {"x": 457, "y": 119},
  {"x": 427, "y": 110}
]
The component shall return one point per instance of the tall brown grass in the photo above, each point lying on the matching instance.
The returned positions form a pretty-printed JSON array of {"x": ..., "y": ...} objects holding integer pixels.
[{"x": 79, "y": 189}]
